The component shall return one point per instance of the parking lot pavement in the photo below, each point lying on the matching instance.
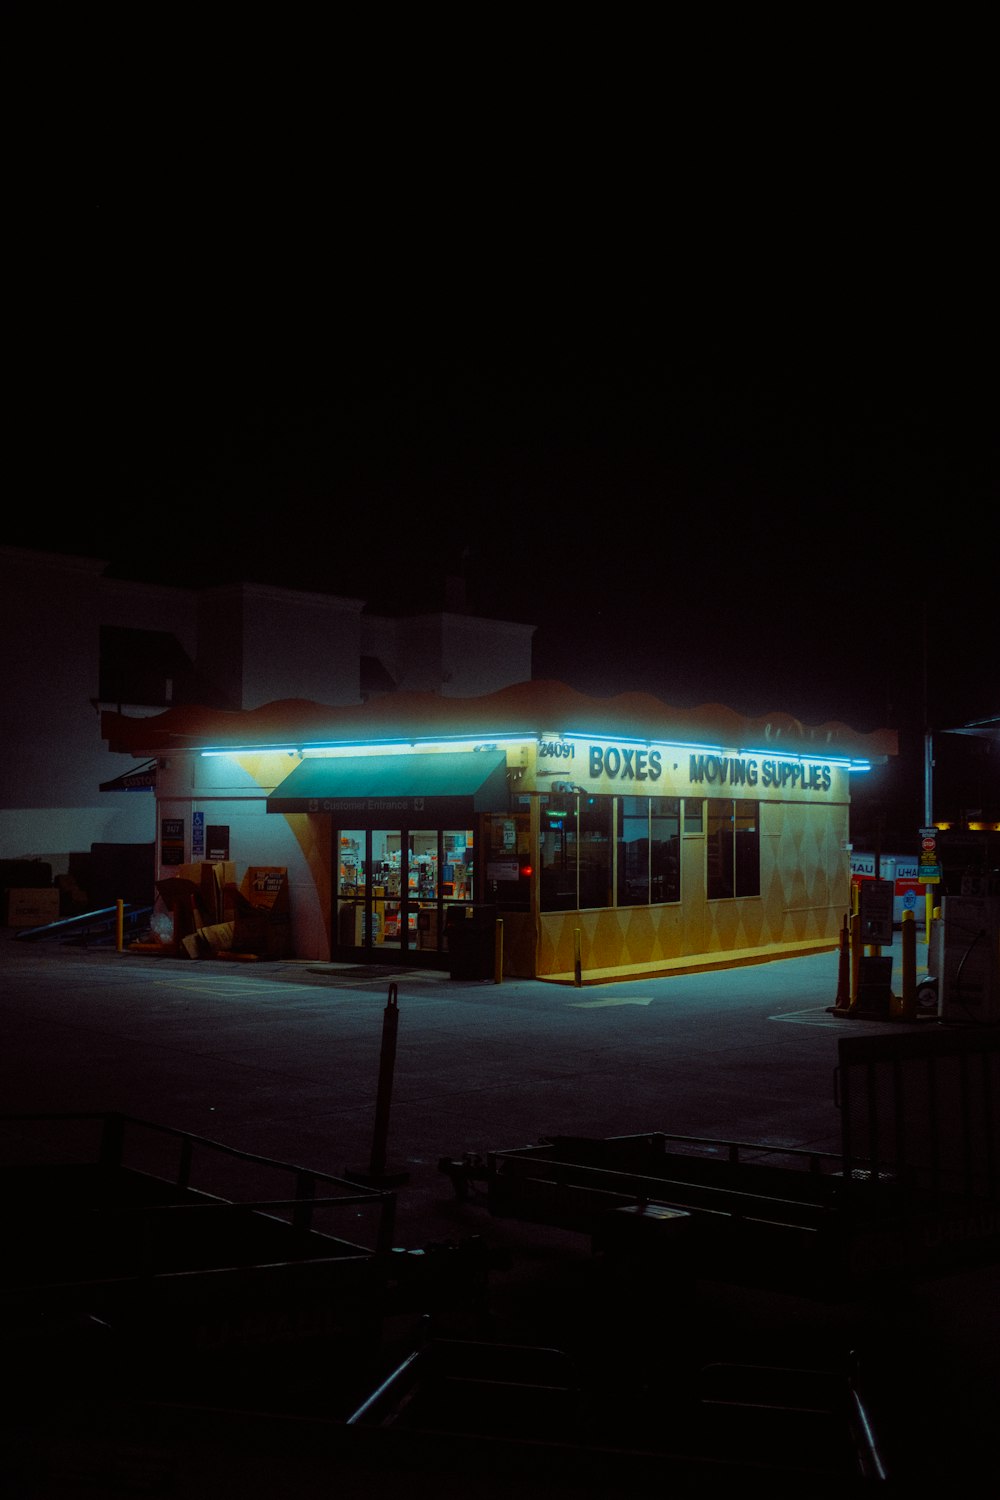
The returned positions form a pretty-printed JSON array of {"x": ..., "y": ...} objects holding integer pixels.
[
  {"x": 288, "y": 1060},
  {"x": 285, "y": 1058}
]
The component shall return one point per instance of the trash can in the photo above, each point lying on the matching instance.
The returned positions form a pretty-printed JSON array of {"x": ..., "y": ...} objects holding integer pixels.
[{"x": 472, "y": 935}]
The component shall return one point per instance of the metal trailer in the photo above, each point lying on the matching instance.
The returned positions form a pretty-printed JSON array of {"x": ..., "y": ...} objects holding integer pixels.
[
  {"x": 914, "y": 1192},
  {"x": 139, "y": 1259},
  {"x": 533, "y": 1415}
]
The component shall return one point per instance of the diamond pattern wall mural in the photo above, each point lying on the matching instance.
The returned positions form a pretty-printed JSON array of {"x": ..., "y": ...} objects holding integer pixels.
[{"x": 805, "y": 892}]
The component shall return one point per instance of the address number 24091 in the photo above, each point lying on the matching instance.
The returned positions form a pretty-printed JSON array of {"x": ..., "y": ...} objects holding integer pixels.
[{"x": 555, "y": 750}]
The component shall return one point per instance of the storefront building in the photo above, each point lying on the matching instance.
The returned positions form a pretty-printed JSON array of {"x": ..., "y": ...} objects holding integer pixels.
[{"x": 609, "y": 836}]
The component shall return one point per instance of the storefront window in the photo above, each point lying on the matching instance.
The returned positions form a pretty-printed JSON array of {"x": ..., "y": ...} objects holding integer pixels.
[
  {"x": 694, "y": 815},
  {"x": 457, "y": 869},
  {"x": 665, "y": 848},
  {"x": 557, "y": 847},
  {"x": 747, "y": 830},
  {"x": 352, "y": 874},
  {"x": 733, "y": 849},
  {"x": 595, "y": 851},
  {"x": 633, "y": 851},
  {"x": 508, "y": 860},
  {"x": 419, "y": 911},
  {"x": 648, "y": 850},
  {"x": 386, "y": 868}
]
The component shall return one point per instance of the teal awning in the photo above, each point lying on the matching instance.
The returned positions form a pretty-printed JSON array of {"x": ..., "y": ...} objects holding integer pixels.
[{"x": 385, "y": 791}]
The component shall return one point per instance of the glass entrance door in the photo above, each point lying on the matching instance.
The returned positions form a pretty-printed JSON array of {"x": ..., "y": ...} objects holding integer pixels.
[
  {"x": 353, "y": 906},
  {"x": 394, "y": 887},
  {"x": 372, "y": 885}
]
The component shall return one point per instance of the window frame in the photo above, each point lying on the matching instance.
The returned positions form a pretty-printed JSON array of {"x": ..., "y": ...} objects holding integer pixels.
[{"x": 736, "y": 858}]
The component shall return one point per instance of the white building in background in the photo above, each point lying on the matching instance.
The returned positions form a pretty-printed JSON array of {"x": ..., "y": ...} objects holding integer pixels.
[{"x": 77, "y": 642}]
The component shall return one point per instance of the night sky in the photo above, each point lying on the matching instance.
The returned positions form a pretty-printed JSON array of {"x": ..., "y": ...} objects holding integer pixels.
[{"x": 769, "y": 482}]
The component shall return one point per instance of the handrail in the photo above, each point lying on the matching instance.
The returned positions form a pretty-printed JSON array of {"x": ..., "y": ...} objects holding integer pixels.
[
  {"x": 237, "y": 1152},
  {"x": 815, "y": 1159},
  {"x": 111, "y": 1154},
  {"x": 102, "y": 916},
  {"x": 643, "y": 1186},
  {"x": 871, "y": 1458},
  {"x": 394, "y": 1379}
]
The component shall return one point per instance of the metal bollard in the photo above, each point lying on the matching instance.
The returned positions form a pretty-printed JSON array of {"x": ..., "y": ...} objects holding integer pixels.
[
  {"x": 386, "y": 1067},
  {"x": 377, "y": 1175}
]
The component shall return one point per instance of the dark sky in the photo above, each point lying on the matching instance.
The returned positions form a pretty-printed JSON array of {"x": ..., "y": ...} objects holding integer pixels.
[
  {"x": 745, "y": 452},
  {"x": 680, "y": 346},
  {"x": 693, "y": 356}
]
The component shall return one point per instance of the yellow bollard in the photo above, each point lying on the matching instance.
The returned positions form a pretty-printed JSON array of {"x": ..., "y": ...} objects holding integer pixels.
[
  {"x": 498, "y": 953},
  {"x": 908, "y": 1001}
]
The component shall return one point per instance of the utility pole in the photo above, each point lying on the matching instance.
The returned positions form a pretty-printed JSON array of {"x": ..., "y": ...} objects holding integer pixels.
[
  {"x": 928, "y": 744},
  {"x": 928, "y": 788}
]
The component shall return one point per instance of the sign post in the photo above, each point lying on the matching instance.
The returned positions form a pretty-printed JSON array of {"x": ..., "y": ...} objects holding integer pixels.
[
  {"x": 929, "y": 868},
  {"x": 929, "y": 874},
  {"x": 876, "y": 901}
]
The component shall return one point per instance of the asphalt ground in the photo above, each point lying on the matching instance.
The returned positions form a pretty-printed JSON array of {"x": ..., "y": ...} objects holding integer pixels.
[{"x": 285, "y": 1059}]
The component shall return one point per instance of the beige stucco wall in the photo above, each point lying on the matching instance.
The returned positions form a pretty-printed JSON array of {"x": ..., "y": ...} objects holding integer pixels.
[{"x": 805, "y": 893}]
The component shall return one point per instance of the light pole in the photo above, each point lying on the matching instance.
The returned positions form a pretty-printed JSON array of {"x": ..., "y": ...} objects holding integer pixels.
[{"x": 928, "y": 787}]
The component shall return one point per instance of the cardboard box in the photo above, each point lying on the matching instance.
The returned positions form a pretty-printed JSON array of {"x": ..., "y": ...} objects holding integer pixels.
[
  {"x": 28, "y": 907},
  {"x": 212, "y": 879},
  {"x": 262, "y": 921}
]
